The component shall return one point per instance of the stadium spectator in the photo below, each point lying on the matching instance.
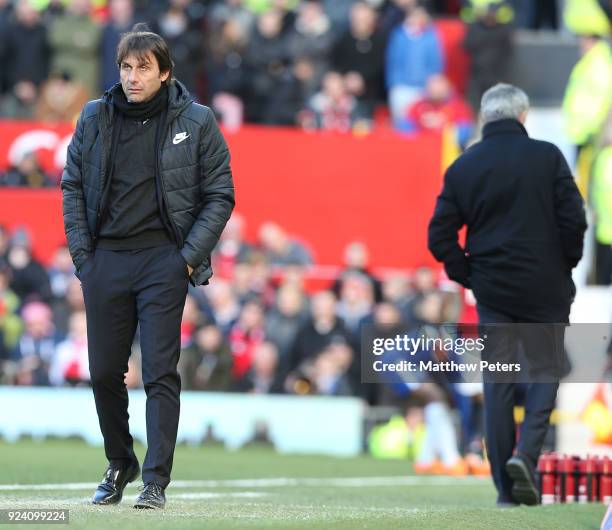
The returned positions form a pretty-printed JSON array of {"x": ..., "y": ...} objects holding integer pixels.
[
  {"x": 26, "y": 56},
  {"x": 356, "y": 259},
  {"x": 262, "y": 377},
  {"x": 192, "y": 319},
  {"x": 586, "y": 17},
  {"x": 181, "y": 27},
  {"x": 120, "y": 20},
  {"x": 601, "y": 198},
  {"x": 224, "y": 305},
  {"x": 439, "y": 452},
  {"x": 65, "y": 306},
  {"x": 6, "y": 10},
  {"x": 61, "y": 272},
  {"x": 253, "y": 279},
  {"x": 319, "y": 331},
  {"x": 29, "y": 278},
  {"x": 273, "y": 92},
  {"x": 61, "y": 99},
  {"x": 206, "y": 363},
  {"x": 414, "y": 53},
  {"x": 227, "y": 77},
  {"x": 53, "y": 9},
  {"x": 587, "y": 97},
  {"x": 328, "y": 373},
  {"x": 334, "y": 108},
  {"x": 244, "y": 336},
  {"x": 360, "y": 52},
  {"x": 355, "y": 303},
  {"x": 441, "y": 108},
  {"x": 423, "y": 283},
  {"x": 75, "y": 40},
  {"x": 311, "y": 38},
  {"x": 393, "y": 13},
  {"x": 285, "y": 319},
  {"x": 280, "y": 249},
  {"x": 26, "y": 173},
  {"x": 488, "y": 42},
  {"x": 4, "y": 241},
  {"x": 232, "y": 247},
  {"x": 396, "y": 290},
  {"x": 235, "y": 11},
  {"x": 10, "y": 322},
  {"x": 70, "y": 363},
  {"x": 35, "y": 349},
  {"x": 338, "y": 12}
]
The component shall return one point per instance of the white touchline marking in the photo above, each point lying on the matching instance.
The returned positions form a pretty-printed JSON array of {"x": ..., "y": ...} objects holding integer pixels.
[
  {"x": 351, "y": 482},
  {"x": 212, "y": 495},
  {"x": 176, "y": 496}
]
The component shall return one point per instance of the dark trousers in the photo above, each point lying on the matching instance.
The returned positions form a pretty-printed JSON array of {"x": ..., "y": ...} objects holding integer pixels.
[
  {"x": 506, "y": 345},
  {"x": 123, "y": 289}
]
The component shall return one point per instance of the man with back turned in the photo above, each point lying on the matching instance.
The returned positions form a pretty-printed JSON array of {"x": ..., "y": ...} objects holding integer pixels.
[
  {"x": 525, "y": 224},
  {"x": 147, "y": 190}
]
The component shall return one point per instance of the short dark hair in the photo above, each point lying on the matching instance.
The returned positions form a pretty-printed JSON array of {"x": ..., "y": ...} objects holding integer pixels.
[{"x": 140, "y": 41}]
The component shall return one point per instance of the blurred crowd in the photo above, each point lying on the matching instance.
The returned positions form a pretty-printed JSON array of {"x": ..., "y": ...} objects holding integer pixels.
[
  {"x": 257, "y": 328},
  {"x": 325, "y": 64},
  {"x": 336, "y": 65}
]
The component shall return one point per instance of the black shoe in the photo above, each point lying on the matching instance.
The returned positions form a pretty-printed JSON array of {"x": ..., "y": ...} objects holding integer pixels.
[
  {"x": 151, "y": 497},
  {"x": 524, "y": 489},
  {"x": 110, "y": 490}
]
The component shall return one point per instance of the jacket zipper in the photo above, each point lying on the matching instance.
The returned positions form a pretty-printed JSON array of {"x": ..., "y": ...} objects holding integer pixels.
[
  {"x": 177, "y": 236},
  {"x": 104, "y": 165}
]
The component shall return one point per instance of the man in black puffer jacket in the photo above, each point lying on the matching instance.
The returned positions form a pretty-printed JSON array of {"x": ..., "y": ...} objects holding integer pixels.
[{"x": 147, "y": 191}]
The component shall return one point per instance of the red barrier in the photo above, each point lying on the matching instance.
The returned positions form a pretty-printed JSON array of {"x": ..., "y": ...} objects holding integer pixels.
[{"x": 328, "y": 189}]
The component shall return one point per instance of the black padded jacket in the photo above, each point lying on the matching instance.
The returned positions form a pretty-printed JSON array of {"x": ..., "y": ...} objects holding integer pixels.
[{"x": 193, "y": 169}]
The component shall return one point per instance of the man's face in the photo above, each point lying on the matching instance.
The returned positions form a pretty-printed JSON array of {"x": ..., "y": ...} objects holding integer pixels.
[{"x": 140, "y": 77}]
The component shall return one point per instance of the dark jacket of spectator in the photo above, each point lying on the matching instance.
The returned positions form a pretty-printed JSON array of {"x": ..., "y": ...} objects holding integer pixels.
[
  {"x": 312, "y": 39},
  {"x": 29, "y": 279},
  {"x": 184, "y": 36},
  {"x": 281, "y": 329},
  {"x": 26, "y": 53},
  {"x": 525, "y": 224},
  {"x": 271, "y": 93},
  {"x": 226, "y": 65},
  {"x": 310, "y": 341},
  {"x": 363, "y": 56},
  {"x": 488, "y": 44},
  {"x": 206, "y": 370}
]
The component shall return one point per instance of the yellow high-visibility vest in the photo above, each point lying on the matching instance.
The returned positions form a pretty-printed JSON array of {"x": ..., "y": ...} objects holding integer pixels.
[
  {"x": 601, "y": 195},
  {"x": 586, "y": 17},
  {"x": 588, "y": 94}
]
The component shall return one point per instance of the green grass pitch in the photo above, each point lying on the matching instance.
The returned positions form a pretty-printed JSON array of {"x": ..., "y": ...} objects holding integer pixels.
[{"x": 256, "y": 488}]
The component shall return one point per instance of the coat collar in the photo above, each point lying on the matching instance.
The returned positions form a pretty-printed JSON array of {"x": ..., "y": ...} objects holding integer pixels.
[{"x": 507, "y": 126}]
